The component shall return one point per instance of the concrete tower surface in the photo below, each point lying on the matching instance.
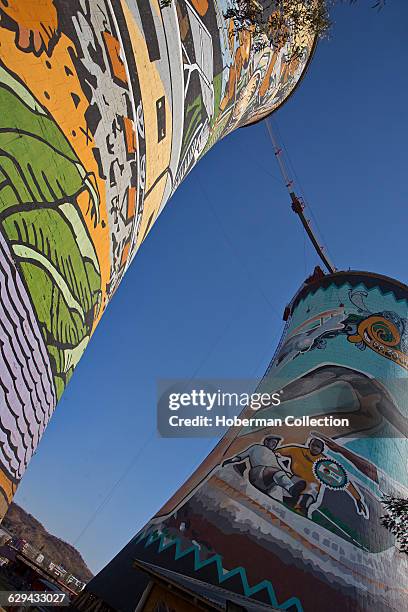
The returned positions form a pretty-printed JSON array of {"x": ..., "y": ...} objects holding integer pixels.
[
  {"x": 289, "y": 515},
  {"x": 105, "y": 107}
]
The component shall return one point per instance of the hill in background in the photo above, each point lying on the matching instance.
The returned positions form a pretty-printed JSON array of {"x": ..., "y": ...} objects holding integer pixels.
[{"x": 25, "y": 526}]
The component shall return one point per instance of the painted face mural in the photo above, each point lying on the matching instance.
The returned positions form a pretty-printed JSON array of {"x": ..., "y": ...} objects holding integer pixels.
[
  {"x": 105, "y": 107},
  {"x": 290, "y": 516}
]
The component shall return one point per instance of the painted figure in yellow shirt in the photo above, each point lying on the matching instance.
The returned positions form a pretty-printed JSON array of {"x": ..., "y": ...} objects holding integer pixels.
[{"x": 318, "y": 471}]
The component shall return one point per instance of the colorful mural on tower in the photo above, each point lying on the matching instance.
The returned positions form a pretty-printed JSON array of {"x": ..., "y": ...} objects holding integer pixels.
[
  {"x": 105, "y": 107},
  {"x": 290, "y": 516}
]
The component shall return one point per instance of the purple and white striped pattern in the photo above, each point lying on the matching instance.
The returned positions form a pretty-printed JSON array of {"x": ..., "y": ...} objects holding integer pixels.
[{"x": 27, "y": 396}]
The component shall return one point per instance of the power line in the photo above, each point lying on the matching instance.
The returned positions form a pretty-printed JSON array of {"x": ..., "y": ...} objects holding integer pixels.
[
  {"x": 109, "y": 495},
  {"x": 234, "y": 252}
]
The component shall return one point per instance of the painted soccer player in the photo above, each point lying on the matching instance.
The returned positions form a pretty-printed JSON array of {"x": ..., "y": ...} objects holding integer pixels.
[
  {"x": 265, "y": 471},
  {"x": 311, "y": 464}
]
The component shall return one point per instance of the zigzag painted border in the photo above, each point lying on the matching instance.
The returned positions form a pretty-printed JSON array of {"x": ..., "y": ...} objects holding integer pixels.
[
  {"x": 385, "y": 285},
  {"x": 166, "y": 543}
]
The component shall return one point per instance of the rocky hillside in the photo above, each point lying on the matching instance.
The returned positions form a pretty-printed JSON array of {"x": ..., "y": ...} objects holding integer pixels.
[{"x": 25, "y": 526}]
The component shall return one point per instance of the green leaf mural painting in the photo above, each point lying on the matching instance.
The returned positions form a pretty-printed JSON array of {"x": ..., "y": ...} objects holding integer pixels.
[{"x": 105, "y": 107}]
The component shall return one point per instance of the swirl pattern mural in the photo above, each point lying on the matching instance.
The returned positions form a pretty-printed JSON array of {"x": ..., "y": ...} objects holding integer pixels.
[
  {"x": 105, "y": 107},
  {"x": 290, "y": 516}
]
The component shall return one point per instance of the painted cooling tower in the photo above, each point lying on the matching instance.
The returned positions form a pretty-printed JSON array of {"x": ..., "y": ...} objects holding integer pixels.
[
  {"x": 320, "y": 545},
  {"x": 105, "y": 107}
]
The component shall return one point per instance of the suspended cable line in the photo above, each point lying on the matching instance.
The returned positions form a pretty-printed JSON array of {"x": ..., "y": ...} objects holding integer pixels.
[
  {"x": 298, "y": 205},
  {"x": 231, "y": 245},
  {"x": 149, "y": 439}
]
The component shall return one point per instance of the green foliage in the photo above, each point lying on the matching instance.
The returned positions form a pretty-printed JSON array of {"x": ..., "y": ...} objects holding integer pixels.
[
  {"x": 41, "y": 178},
  {"x": 396, "y": 520},
  {"x": 38, "y": 164},
  {"x": 278, "y": 22},
  {"x": 275, "y": 23}
]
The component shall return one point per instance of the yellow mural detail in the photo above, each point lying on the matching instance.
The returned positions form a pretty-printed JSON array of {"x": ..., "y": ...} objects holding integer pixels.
[
  {"x": 54, "y": 82},
  {"x": 158, "y": 150},
  {"x": 382, "y": 336}
]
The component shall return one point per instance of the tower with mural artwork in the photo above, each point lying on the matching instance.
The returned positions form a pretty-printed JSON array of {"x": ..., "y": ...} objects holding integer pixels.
[
  {"x": 105, "y": 108},
  {"x": 286, "y": 516}
]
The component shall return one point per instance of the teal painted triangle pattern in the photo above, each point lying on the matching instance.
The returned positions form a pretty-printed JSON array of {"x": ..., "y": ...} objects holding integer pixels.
[{"x": 165, "y": 543}]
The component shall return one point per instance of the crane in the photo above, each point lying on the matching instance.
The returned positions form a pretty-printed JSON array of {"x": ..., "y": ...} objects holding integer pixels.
[{"x": 297, "y": 203}]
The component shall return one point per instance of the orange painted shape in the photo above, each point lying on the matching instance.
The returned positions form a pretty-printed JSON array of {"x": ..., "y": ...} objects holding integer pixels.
[
  {"x": 201, "y": 6},
  {"x": 7, "y": 486},
  {"x": 37, "y": 23},
  {"x": 113, "y": 49},
  {"x": 125, "y": 254},
  {"x": 130, "y": 135},
  {"x": 131, "y": 203}
]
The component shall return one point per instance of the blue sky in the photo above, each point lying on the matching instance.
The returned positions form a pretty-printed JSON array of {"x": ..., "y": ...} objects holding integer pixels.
[{"x": 205, "y": 294}]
